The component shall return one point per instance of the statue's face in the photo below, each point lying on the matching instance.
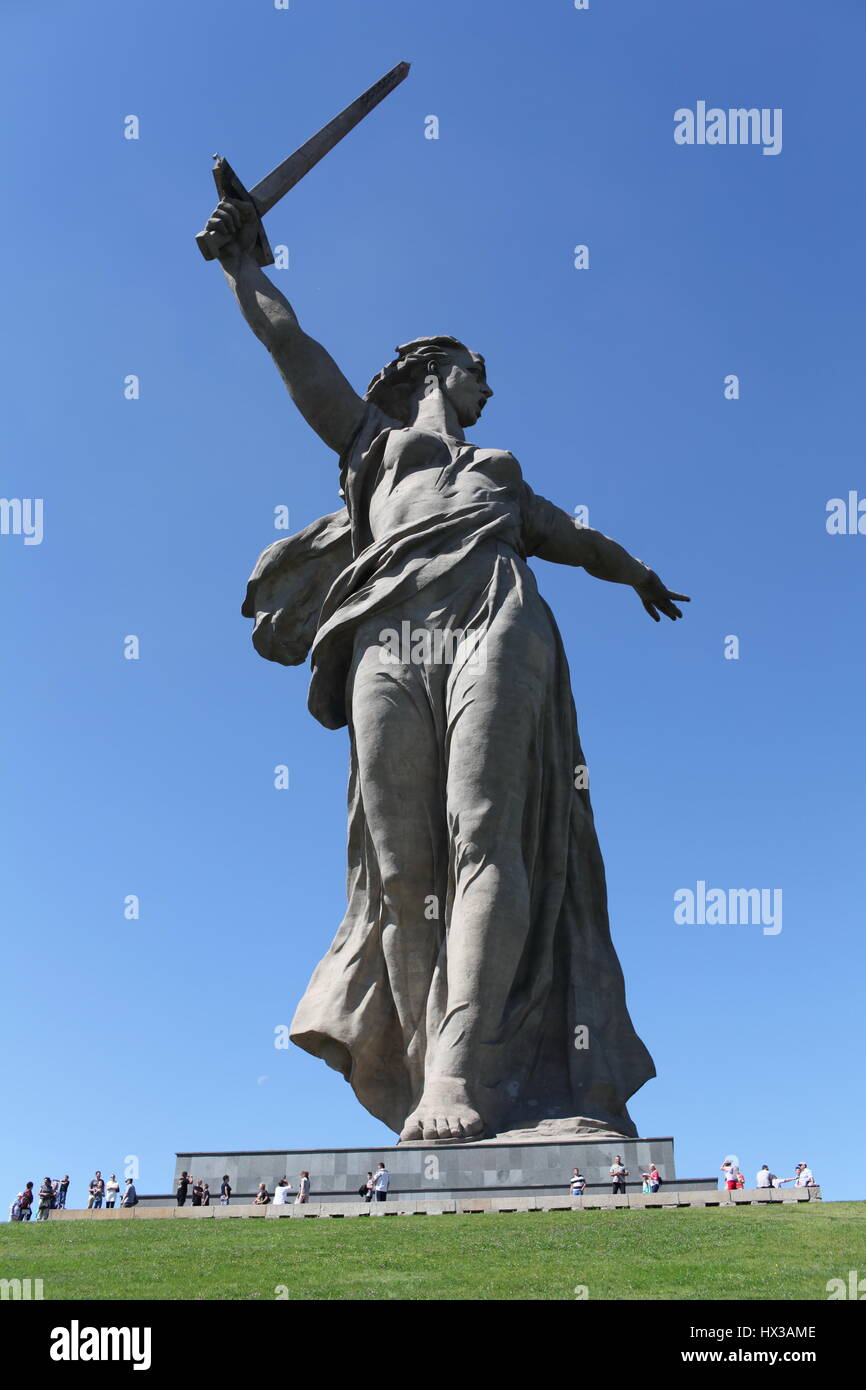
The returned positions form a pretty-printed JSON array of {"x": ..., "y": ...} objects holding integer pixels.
[{"x": 465, "y": 383}]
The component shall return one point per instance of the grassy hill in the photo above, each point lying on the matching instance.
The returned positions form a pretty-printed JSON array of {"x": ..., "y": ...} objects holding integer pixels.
[{"x": 771, "y": 1252}]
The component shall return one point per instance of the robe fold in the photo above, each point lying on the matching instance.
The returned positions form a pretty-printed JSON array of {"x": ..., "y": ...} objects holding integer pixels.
[{"x": 435, "y": 536}]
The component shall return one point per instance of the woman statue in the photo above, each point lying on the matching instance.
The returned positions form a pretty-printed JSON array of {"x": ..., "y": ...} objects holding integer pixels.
[{"x": 472, "y": 988}]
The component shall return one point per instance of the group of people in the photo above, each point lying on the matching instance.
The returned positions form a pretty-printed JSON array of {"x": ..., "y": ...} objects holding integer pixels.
[
  {"x": 109, "y": 1192},
  {"x": 733, "y": 1177},
  {"x": 53, "y": 1192},
  {"x": 374, "y": 1188},
  {"x": 199, "y": 1191},
  {"x": 283, "y": 1193},
  {"x": 52, "y": 1195},
  {"x": 652, "y": 1180}
]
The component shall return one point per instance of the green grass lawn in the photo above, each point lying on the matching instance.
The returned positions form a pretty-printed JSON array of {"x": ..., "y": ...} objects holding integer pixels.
[{"x": 743, "y": 1252}]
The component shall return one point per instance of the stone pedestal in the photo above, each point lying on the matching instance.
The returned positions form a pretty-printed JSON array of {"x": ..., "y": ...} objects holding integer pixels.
[{"x": 531, "y": 1168}]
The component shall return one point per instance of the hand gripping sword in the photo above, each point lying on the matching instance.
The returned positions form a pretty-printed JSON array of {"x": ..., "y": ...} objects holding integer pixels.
[{"x": 292, "y": 170}]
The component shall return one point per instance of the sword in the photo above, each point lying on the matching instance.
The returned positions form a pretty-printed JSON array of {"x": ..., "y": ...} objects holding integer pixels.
[{"x": 278, "y": 182}]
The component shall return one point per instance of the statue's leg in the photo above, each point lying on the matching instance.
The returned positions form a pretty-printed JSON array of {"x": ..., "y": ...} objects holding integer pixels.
[
  {"x": 400, "y": 772},
  {"x": 493, "y": 722}
]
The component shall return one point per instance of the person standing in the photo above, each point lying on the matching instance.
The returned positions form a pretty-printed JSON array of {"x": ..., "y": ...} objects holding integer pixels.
[
  {"x": 381, "y": 1183},
  {"x": 730, "y": 1172},
  {"x": 62, "y": 1189},
  {"x": 368, "y": 1187},
  {"x": 182, "y": 1187},
  {"x": 652, "y": 1179},
  {"x": 205, "y": 1195},
  {"x": 303, "y": 1188},
  {"x": 46, "y": 1197},
  {"x": 577, "y": 1184},
  {"x": 15, "y": 1208},
  {"x": 25, "y": 1202},
  {"x": 196, "y": 1192},
  {"x": 97, "y": 1191},
  {"x": 618, "y": 1175},
  {"x": 225, "y": 1191},
  {"x": 112, "y": 1192}
]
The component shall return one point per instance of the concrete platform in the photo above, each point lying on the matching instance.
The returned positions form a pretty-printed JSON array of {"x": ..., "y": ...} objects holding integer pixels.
[
  {"x": 677, "y": 1199},
  {"x": 451, "y": 1172}
]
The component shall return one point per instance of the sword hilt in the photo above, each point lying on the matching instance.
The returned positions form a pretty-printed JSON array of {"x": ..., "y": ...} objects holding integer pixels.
[{"x": 228, "y": 185}]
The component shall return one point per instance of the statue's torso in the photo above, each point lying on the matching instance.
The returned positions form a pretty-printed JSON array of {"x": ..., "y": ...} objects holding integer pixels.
[{"x": 423, "y": 475}]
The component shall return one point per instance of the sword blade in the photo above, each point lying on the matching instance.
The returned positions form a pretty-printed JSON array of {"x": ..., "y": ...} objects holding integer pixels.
[{"x": 278, "y": 182}]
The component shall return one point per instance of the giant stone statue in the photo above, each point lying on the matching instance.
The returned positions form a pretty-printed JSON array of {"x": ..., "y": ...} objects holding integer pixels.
[{"x": 475, "y": 949}]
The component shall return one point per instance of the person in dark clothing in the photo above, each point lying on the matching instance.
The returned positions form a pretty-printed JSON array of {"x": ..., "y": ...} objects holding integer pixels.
[
  {"x": 182, "y": 1187},
  {"x": 205, "y": 1195},
  {"x": 62, "y": 1191},
  {"x": 225, "y": 1190},
  {"x": 196, "y": 1192},
  {"x": 26, "y": 1202}
]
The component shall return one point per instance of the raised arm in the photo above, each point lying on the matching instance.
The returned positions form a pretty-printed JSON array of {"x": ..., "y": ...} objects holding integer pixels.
[
  {"x": 554, "y": 535},
  {"x": 315, "y": 383}
]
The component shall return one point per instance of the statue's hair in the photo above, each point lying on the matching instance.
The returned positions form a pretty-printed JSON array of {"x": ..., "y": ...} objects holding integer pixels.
[{"x": 392, "y": 388}]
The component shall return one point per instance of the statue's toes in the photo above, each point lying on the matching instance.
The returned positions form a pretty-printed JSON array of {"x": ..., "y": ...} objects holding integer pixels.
[
  {"x": 413, "y": 1129},
  {"x": 431, "y": 1129},
  {"x": 472, "y": 1124}
]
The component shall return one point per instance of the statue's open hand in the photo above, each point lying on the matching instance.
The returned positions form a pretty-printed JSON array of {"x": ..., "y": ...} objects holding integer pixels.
[
  {"x": 236, "y": 221},
  {"x": 656, "y": 599}
]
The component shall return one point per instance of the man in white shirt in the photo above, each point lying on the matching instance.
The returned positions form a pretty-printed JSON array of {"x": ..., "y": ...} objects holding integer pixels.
[
  {"x": 380, "y": 1183},
  {"x": 618, "y": 1174},
  {"x": 764, "y": 1178},
  {"x": 804, "y": 1177},
  {"x": 281, "y": 1193}
]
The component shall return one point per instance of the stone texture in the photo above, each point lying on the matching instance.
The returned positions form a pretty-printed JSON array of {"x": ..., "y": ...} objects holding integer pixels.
[
  {"x": 409, "y": 551},
  {"x": 490, "y": 1206},
  {"x": 535, "y": 1168}
]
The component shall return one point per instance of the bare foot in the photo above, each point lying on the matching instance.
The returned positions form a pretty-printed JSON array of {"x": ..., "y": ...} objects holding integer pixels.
[{"x": 444, "y": 1112}]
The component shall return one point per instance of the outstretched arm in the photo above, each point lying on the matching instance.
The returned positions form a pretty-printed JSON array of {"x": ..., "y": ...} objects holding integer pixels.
[
  {"x": 315, "y": 383},
  {"x": 556, "y": 536}
]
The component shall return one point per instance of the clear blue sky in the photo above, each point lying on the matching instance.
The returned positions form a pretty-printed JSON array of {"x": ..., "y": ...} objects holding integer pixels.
[{"x": 155, "y": 776}]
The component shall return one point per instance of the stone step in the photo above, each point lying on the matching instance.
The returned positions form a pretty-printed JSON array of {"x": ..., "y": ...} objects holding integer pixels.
[{"x": 665, "y": 1200}]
